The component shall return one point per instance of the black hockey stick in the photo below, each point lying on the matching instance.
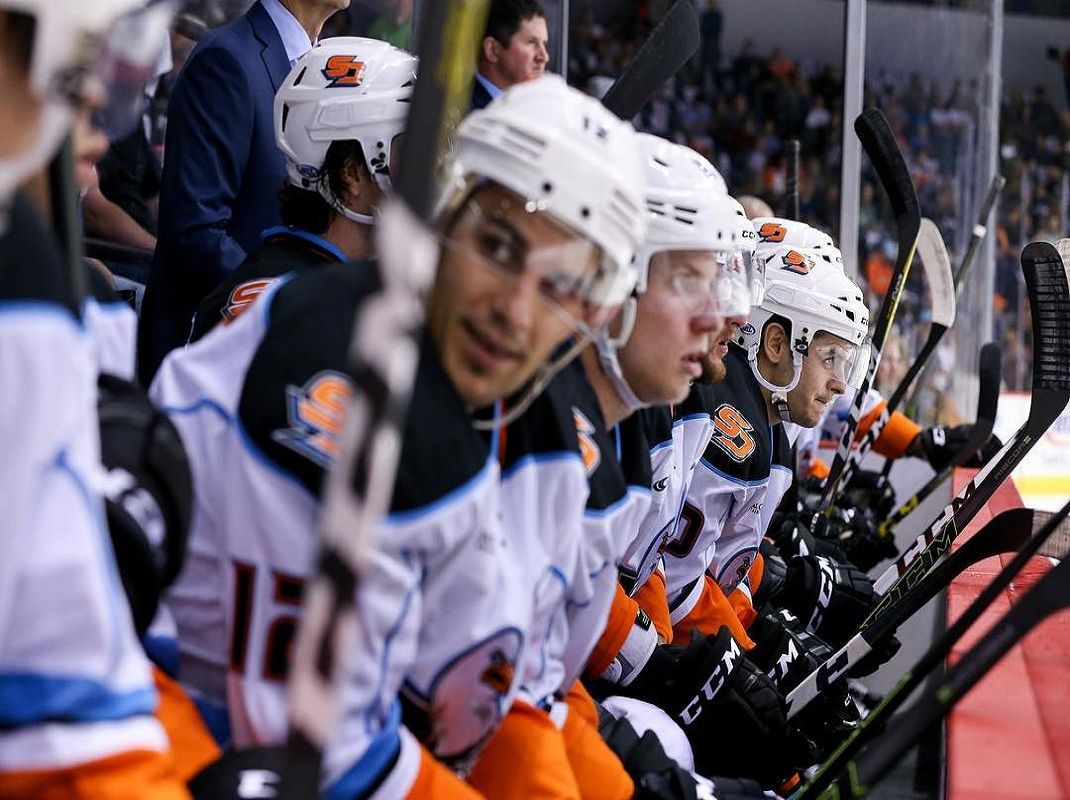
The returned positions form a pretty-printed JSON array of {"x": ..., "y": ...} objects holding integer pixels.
[
  {"x": 382, "y": 359},
  {"x": 887, "y": 159},
  {"x": 980, "y": 230},
  {"x": 672, "y": 42},
  {"x": 1049, "y": 294},
  {"x": 937, "y": 266},
  {"x": 841, "y": 777},
  {"x": 791, "y": 180},
  {"x": 987, "y": 405}
]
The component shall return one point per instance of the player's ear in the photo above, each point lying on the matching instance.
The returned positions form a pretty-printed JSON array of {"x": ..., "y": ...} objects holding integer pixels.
[
  {"x": 775, "y": 345},
  {"x": 491, "y": 49}
]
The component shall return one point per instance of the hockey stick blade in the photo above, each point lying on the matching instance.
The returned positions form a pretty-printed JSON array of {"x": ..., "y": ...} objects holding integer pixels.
[
  {"x": 987, "y": 406},
  {"x": 936, "y": 265},
  {"x": 1049, "y": 293},
  {"x": 1050, "y": 595},
  {"x": 381, "y": 362},
  {"x": 1046, "y": 534},
  {"x": 672, "y": 42},
  {"x": 887, "y": 159}
]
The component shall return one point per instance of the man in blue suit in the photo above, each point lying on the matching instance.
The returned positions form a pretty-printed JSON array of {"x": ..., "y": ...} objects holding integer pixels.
[
  {"x": 513, "y": 50},
  {"x": 222, "y": 169}
]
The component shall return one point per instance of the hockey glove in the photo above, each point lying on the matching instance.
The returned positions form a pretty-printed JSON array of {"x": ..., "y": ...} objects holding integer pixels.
[
  {"x": 862, "y": 545},
  {"x": 655, "y": 775},
  {"x": 869, "y": 489},
  {"x": 939, "y": 444},
  {"x": 831, "y": 599},
  {"x": 793, "y": 537},
  {"x": 231, "y": 776},
  {"x": 731, "y": 713}
]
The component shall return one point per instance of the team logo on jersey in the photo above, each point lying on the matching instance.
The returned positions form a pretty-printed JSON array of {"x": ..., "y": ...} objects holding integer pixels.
[
  {"x": 732, "y": 433},
  {"x": 316, "y": 412},
  {"x": 796, "y": 262},
  {"x": 466, "y": 702},
  {"x": 589, "y": 451},
  {"x": 735, "y": 570},
  {"x": 345, "y": 71},
  {"x": 242, "y": 296},
  {"x": 772, "y": 232}
]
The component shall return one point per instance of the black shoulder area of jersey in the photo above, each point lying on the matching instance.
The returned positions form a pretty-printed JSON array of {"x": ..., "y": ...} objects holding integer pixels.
[
  {"x": 783, "y": 452},
  {"x": 32, "y": 266},
  {"x": 278, "y": 255},
  {"x": 547, "y": 426},
  {"x": 290, "y": 401},
  {"x": 696, "y": 402},
  {"x": 441, "y": 451},
  {"x": 635, "y": 449},
  {"x": 656, "y": 424},
  {"x": 742, "y": 442}
]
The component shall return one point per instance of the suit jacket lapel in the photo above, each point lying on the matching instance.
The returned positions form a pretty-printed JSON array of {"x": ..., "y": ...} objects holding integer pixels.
[{"x": 273, "y": 53}]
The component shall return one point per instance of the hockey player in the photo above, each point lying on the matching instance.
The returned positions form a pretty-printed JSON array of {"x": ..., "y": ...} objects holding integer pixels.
[
  {"x": 338, "y": 116},
  {"x": 786, "y": 365},
  {"x": 77, "y": 717},
  {"x": 446, "y": 605}
]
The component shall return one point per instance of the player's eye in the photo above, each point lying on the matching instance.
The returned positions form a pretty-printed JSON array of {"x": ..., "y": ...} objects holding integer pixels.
[{"x": 499, "y": 249}]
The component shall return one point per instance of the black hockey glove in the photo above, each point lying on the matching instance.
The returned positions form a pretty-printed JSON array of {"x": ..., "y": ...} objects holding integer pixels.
[
  {"x": 256, "y": 772},
  {"x": 731, "y": 713},
  {"x": 868, "y": 489},
  {"x": 831, "y": 599},
  {"x": 939, "y": 444},
  {"x": 788, "y": 655},
  {"x": 881, "y": 654},
  {"x": 793, "y": 537},
  {"x": 655, "y": 775}
]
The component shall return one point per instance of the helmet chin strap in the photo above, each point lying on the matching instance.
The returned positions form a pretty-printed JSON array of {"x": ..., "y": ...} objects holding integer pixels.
[
  {"x": 342, "y": 208},
  {"x": 608, "y": 348},
  {"x": 778, "y": 394}
]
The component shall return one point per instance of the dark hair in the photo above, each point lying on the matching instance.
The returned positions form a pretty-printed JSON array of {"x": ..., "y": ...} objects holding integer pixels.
[
  {"x": 506, "y": 16},
  {"x": 306, "y": 209},
  {"x": 16, "y": 32}
]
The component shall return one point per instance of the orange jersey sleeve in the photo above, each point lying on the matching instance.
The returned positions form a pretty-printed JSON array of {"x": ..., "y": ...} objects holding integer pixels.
[
  {"x": 619, "y": 624},
  {"x": 712, "y": 611},
  {"x": 897, "y": 435},
  {"x": 436, "y": 780},
  {"x": 139, "y": 773},
  {"x": 526, "y": 758},
  {"x": 598, "y": 772},
  {"x": 652, "y": 599},
  {"x": 192, "y": 746},
  {"x": 741, "y": 597}
]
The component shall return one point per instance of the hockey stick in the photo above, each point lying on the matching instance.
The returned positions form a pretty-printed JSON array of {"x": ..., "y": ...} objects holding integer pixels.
[
  {"x": 1050, "y": 594},
  {"x": 1049, "y": 293},
  {"x": 669, "y": 46},
  {"x": 887, "y": 159},
  {"x": 987, "y": 405},
  {"x": 382, "y": 361},
  {"x": 980, "y": 230},
  {"x": 937, "y": 266},
  {"x": 791, "y": 181}
]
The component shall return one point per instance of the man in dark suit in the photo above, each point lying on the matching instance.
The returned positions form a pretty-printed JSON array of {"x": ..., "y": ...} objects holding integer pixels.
[
  {"x": 513, "y": 48},
  {"x": 222, "y": 169}
]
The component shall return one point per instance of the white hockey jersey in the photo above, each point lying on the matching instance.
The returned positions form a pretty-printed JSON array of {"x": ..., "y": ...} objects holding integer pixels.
[
  {"x": 447, "y": 604},
  {"x": 75, "y": 686}
]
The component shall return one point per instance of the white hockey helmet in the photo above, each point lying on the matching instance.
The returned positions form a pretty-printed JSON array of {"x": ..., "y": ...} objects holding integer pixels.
[
  {"x": 116, "y": 41},
  {"x": 688, "y": 208},
  {"x": 774, "y": 230},
  {"x": 568, "y": 156},
  {"x": 743, "y": 279},
  {"x": 345, "y": 88},
  {"x": 813, "y": 295}
]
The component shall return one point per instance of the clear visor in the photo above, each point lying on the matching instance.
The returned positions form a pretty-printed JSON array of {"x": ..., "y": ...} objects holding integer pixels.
[
  {"x": 694, "y": 277},
  {"x": 842, "y": 360},
  {"x": 126, "y": 64},
  {"x": 741, "y": 284},
  {"x": 518, "y": 240}
]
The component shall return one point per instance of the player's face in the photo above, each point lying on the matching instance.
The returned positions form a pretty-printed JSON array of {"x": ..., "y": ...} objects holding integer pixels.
[
  {"x": 505, "y": 296},
  {"x": 675, "y": 320},
  {"x": 824, "y": 375},
  {"x": 526, "y": 56},
  {"x": 713, "y": 367}
]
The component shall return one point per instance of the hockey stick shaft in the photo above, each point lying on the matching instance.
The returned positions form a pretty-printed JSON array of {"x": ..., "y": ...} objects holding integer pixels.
[
  {"x": 672, "y": 42},
  {"x": 791, "y": 180},
  {"x": 887, "y": 159},
  {"x": 987, "y": 405},
  {"x": 1049, "y": 535},
  {"x": 381, "y": 362},
  {"x": 1049, "y": 294},
  {"x": 980, "y": 230}
]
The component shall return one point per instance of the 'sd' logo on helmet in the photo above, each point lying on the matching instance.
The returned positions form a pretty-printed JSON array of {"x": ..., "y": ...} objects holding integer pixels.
[
  {"x": 772, "y": 232},
  {"x": 794, "y": 261},
  {"x": 344, "y": 71}
]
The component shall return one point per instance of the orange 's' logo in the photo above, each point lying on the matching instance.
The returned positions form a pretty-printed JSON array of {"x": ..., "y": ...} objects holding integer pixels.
[
  {"x": 733, "y": 433},
  {"x": 772, "y": 232},
  {"x": 343, "y": 71},
  {"x": 589, "y": 451},
  {"x": 794, "y": 261}
]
